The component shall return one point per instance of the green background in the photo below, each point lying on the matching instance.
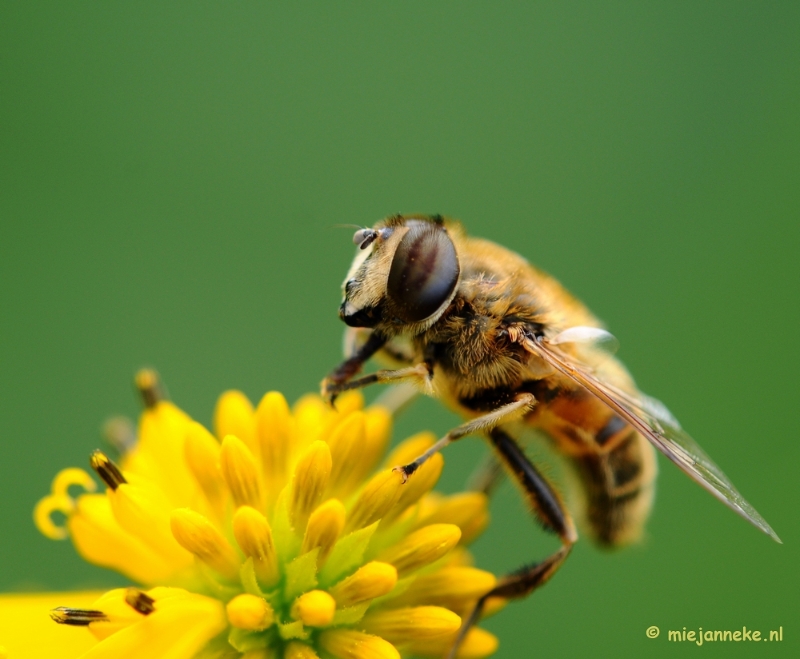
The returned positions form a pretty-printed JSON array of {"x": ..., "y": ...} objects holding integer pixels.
[{"x": 172, "y": 178}]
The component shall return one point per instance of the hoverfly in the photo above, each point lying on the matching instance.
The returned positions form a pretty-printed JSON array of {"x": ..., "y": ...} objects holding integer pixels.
[{"x": 506, "y": 346}]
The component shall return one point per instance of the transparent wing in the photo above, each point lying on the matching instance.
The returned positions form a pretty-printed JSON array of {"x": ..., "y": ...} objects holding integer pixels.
[
  {"x": 653, "y": 420},
  {"x": 591, "y": 345},
  {"x": 595, "y": 337}
]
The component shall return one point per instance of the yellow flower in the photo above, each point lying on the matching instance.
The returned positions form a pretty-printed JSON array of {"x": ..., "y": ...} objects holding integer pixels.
[{"x": 283, "y": 535}]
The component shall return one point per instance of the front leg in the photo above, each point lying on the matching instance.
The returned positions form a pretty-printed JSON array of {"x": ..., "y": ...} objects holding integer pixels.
[{"x": 352, "y": 365}]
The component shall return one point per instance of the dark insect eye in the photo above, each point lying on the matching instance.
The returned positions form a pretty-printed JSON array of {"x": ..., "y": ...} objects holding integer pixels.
[{"x": 424, "y": 272}]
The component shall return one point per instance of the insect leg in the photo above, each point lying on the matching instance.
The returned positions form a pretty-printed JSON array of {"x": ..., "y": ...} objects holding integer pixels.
[
  {"x": 487, "y": 476},
  {"x": 352, "y": 365},
  {"x": 551, "y": 513},
  {"x": 396, "y": 398},
  {"x": 503, "y": 414},
  {"x": 419, "y": 373}
]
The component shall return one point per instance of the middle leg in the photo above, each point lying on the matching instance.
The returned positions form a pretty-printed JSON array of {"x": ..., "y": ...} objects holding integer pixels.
[{"x": 520, "y": 406}]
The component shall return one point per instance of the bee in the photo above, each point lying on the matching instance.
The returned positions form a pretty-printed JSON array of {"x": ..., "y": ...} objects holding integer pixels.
[{"x": 507, "y": 347}]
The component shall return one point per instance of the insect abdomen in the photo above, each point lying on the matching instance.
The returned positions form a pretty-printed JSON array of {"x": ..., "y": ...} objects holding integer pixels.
[
  {"x": 615, "y": 465},
  {"x": 619, "y": 484}
]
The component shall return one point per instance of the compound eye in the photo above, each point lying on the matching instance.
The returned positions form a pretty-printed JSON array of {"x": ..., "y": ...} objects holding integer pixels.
[{"x": 424, "y": 272}]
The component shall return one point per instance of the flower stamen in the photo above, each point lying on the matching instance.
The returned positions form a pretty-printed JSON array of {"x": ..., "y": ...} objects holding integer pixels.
[
  {"x": 417, "y": 623},
  {"x": 200, "y": 537},
  {"x": 296, "y": 650},
  {"x": 106, "y": 469},
  {"x": 368, "y": 582},
  {"x": 202, "y": 453},
  {"x": 120, "y": 432},
  {"x": 149, "y": 386},
  {"x": 324, "y": 527},
  {"x": 240, "y": 472},
  {"x": 64, "y": 615},
  {"x": 254, "y": 537},
  {"x": 422, "y": 548},
  {"x": 250, "y": 612},
  {"x": 315, "y": 608},
  {"x": 139, "y": 601},
  {"x": 377, "y": 498},
  {"x": 310, "y": 480},
  {"x": 352, "y": 644}
]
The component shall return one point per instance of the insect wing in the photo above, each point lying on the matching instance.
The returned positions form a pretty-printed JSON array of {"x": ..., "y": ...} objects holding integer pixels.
[
  {"x": 591, "y": 345},
  {"x": 593, "y": 336},
  {"x": 653, "y": 420}
]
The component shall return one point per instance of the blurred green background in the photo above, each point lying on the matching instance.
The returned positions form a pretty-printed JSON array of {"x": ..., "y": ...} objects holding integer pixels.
[{"x": 171, "y": 178}]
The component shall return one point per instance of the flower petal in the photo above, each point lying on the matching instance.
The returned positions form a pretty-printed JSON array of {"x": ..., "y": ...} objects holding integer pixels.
[
  {"x": 100, "y": 539},
  {"x": 351, "y": 644},
  {"x": 159, "y": 452},
  {"x": 181, "y": 625},
  {"x": 29, "y": 633}
]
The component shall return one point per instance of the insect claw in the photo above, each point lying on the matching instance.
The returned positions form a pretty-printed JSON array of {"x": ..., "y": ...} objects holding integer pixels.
[
  {"x": 329, "y": 391},
  {"x": 404, "y": 471}
]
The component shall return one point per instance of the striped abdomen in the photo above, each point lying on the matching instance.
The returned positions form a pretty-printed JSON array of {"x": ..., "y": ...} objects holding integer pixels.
[{"x": 616, "y": 465}]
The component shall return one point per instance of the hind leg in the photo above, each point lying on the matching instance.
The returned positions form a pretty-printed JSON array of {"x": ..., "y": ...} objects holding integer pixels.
[{"x": 551, "y": 513}]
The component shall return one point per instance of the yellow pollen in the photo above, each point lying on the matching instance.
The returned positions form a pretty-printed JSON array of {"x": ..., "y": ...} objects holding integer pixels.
[
  {"x": 422, "y": 548},
  {"x": 368, "y": 582},
  {"x": 412, "y": 624},
  {"x": 250, "y": 612},
  {"x": 314, "y": 608},
  {"x": 200, "y": 537},
  {"x": 310, "y": 480},
  {"x": 254, "y": 537},
  {"x": 324, "y": 527},
  {"x": 240, "y": 472}
]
